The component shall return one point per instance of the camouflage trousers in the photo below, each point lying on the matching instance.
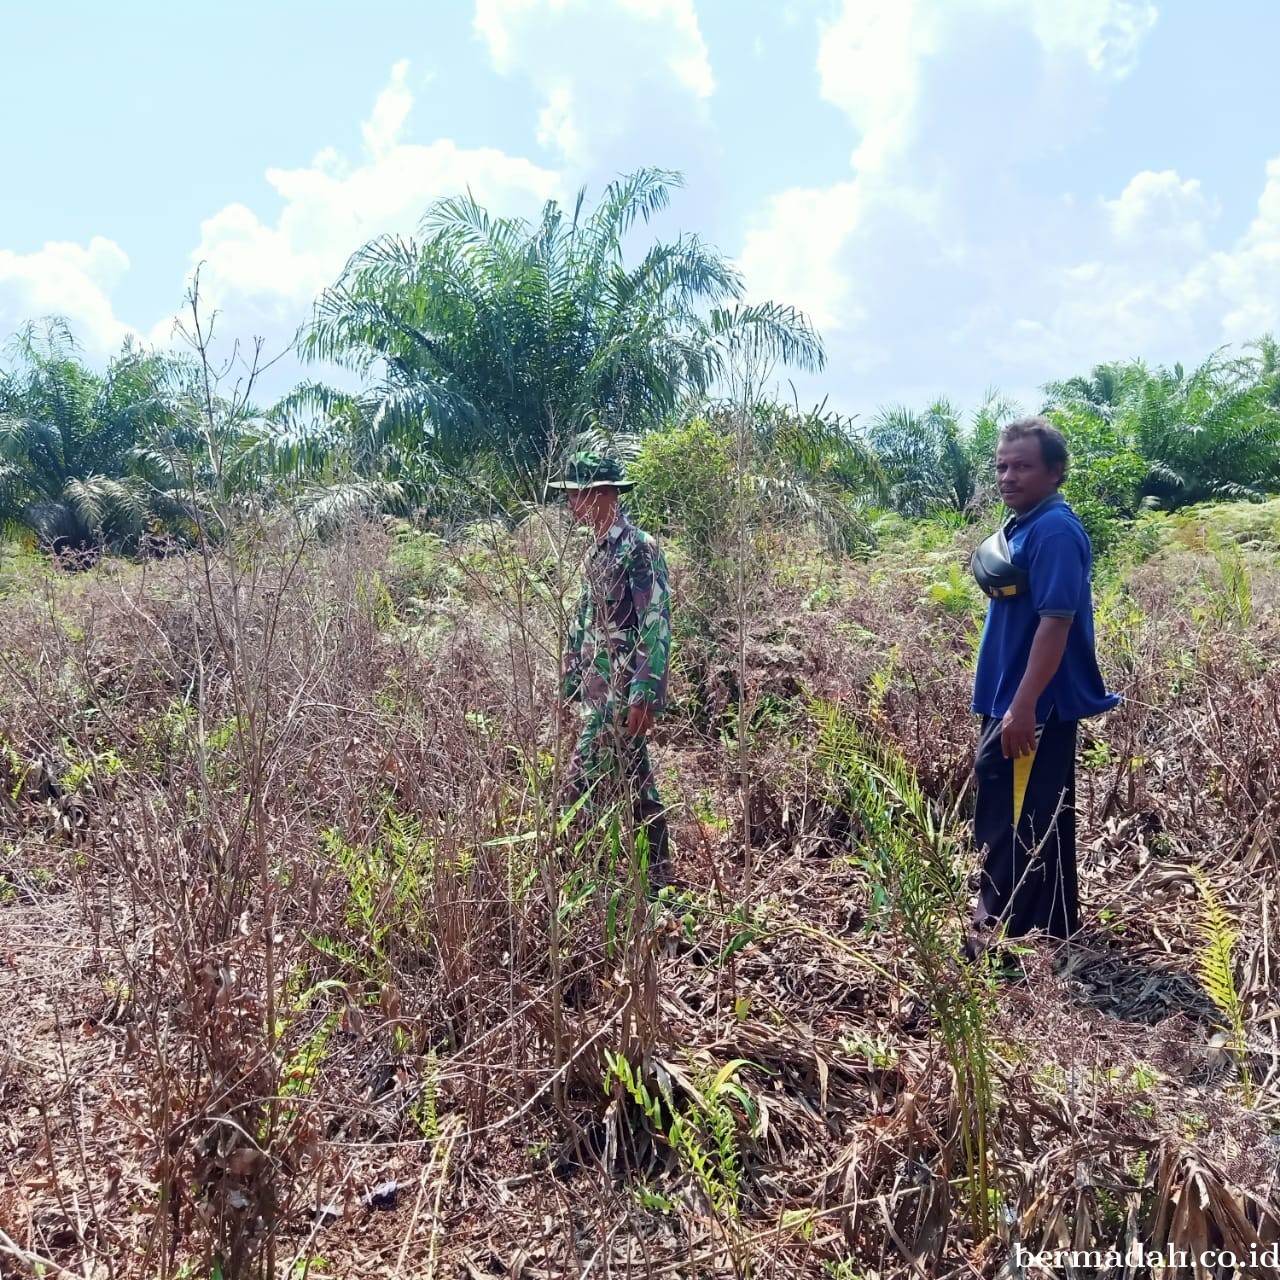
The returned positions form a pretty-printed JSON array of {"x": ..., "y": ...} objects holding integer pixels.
[
  {"x": 609, "y": 763},
  {"x": 610, "y": 766}
]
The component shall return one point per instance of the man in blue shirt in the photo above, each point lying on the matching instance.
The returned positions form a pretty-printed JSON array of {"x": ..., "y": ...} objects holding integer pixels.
[{"x": 1037, "y": 678}]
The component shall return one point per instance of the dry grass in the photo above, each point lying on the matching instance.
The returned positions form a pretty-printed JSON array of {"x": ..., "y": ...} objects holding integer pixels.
[{"x": 288, "y": 918}]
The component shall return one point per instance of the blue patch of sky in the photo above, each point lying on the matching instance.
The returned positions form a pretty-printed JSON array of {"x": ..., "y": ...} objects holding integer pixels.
[{"x": 1201, "y": 99}]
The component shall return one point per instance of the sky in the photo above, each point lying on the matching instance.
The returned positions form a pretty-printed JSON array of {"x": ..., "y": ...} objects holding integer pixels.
[{"x": 961, "y": 194}]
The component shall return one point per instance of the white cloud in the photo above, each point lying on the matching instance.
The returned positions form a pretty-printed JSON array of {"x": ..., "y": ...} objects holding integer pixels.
[
  {"x": 869, "y": 61},
  {"x": 601, "y": 66},
  {"x": 1152, "y": 286},
  {"x": 507, "y": 27},
  {"x": 263, "y": 272},
  {"x": 1107, "y": 33},
  {"x": 390, "y": 111},
  {"x": 557, "y": 129},
  {"x": 330, "y": 208},
  {"x": 789, "y": 256},
  {"x": 1160, "y": 211},
  {"x": 873, "y": 55},
  {"x": 70, "y": 280},
  {"x": 688, "y": 58},
  {"x": 495, "y": 20},
  {"x": 940, "y": 123},
  {"x": 797, "y": 249},
  {"x": 1249, "y": 275},
  {"x": 1101, "y": 309}
]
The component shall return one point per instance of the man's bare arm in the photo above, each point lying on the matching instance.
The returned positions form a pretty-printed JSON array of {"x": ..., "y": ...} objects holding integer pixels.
[{"x": 1018, "y": 732}]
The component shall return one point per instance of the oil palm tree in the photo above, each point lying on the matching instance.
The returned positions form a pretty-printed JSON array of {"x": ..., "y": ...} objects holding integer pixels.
[
  {"x": 493, "y": 336},
  {"x": 1205, "y": 434},
  {"x": 814, "y": 468},
  {"x": 332, "y": 456},
  {"x": 1209, "y": 433},
  {"x": 78, "y": 459},
  {"x": 931, "y": 461},
  {"x": 1100, "y": 393}
]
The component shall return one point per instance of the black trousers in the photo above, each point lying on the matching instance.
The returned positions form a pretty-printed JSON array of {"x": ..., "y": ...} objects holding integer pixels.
[
  {"x": 1029, "y": 872},
  {"x": 651, "y": 814}
]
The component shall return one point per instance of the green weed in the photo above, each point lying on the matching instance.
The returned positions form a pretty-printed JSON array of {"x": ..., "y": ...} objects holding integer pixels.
[
  {"x": 916, "y": 861},
  {"x": 703, "y": 1137},
  {"x": 1217, "y": 973}
]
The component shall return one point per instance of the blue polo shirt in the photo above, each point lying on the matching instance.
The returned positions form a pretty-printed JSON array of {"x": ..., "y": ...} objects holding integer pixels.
[{"x": 1050, "y": 543}]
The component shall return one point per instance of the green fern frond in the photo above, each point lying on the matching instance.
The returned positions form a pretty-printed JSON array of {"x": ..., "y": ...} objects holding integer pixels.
[
  {"x": 1217, "y": 973},
  {"x": 1216, "y": 959}
]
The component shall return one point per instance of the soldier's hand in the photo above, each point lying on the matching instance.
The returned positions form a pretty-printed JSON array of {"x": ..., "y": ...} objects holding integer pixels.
[{"x": 640, "y": 720}]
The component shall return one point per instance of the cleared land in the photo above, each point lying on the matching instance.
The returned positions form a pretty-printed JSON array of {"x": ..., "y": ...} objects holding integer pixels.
[{"x": 300, "y": 972}]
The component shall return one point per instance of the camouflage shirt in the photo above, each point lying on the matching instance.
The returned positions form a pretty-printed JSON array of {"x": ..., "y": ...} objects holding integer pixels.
[{"x": 620, "y": 637}]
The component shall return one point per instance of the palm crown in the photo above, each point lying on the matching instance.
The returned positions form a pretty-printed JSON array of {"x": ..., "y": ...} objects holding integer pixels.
[{"x": 494, "y": 335}]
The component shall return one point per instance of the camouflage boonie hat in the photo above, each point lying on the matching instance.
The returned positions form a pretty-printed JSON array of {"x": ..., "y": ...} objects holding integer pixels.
[{"x": 592, "y": 471}]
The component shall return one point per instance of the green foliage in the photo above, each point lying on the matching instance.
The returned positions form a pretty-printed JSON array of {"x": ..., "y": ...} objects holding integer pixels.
[
  {"x": 1233, "y": 604},
  {"x": 82, "y": 461},
  {"x": 932, "y": 461},
  {"x": 417, "y": 568},
  {"x": 957, "y": 592},
  {"x": 16, "y": 768},
  {"x": 747, "y": 926},
  {"x": 335, "y": 456},
  {"x": 20, "y": 567},
  {"x": 844, "y": 1269},
  {"x": 494, "y": 338},
  {"x": 810, "y": 470},
  {"x": 1104, "y": 478},
  {"x": 879, "y": 1051},
  {"x": 647, "y": 1198},
  {"x": 93, "y": 766},
  {"x": 387, "y": 895},
  {"x": 720, "y": 479},
  {"x": 1211, "y": 433},
  {"x": 704, "y": 1132},
  {"x": 914, "y": 863},
  {"x": 1217, "y": 971},
  {"x": 1255, "y": 526},
  {"x": 300, "y": 1068},
  {"x": 375, "y": 602},
  {"x": 425, "y": 1109},
  {"x": 686, "y": 484},
  {"x": 1138, "y": 438}
]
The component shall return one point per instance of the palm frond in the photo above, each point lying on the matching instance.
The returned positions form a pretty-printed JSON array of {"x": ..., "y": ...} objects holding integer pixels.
[{"x": 777, "y": 331}]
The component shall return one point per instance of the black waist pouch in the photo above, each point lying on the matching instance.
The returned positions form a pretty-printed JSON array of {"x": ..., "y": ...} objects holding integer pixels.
[{"x": 993, "y": 567}]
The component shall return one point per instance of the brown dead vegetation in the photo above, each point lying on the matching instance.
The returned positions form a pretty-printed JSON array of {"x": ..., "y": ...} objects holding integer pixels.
[{"x": 301, "y": 975}]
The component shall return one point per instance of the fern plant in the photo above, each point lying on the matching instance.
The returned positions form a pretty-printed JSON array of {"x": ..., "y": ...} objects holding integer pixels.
[
  {"x": 915, "y": 867},
  {"x": 1217, "y": 972},
  {"x": 425, "y": 1111},
  {"x": 386, "y": 894},
  {"x": 704, "y": 1138},
  {"x": 1234, "y": 604}
]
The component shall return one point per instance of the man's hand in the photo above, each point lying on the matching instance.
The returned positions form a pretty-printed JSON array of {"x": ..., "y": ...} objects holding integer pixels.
[
  {"x": 640, "y": 719},
  {"x": 1018, "y": 731}
]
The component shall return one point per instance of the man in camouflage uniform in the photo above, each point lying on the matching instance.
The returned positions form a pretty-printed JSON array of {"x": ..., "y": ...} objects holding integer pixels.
[{"x": 615, "y": 662}]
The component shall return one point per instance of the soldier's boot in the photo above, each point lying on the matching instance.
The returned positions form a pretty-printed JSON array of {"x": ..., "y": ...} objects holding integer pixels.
[{"x": 651, "y": 814}]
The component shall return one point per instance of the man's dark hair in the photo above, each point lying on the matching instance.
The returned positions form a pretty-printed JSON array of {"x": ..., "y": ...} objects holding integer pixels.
[{"x": 1053, "y": 444}]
